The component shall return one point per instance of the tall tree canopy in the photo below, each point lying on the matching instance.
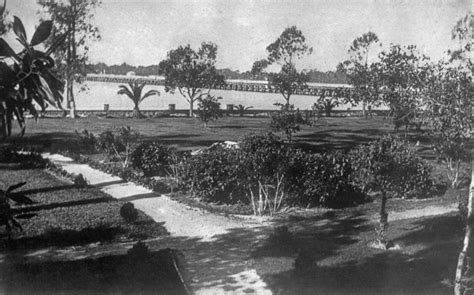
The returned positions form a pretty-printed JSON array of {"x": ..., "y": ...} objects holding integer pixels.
[
  {"x": 360, "y": 71},
  {"x": 402, "y": 73},
  {"x": 192, "y": 72},
  {"x": 73, "y": 18},
  {"x": 463, "y": 33},
  {"x": 290, "y": 46}
]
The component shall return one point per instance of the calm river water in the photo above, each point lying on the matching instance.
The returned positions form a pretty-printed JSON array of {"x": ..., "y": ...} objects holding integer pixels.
[{"x": 101, "y": 93}]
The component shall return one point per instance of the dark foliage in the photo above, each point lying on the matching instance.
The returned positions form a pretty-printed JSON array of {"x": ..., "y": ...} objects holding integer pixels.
[
  {"x": 287, "y": 120},
  {"x": 392, "y": 166},
  {"x": 89, "y": 141},
  {"x": 128, "y": 212},
  {"x": 152, "y": 158},
  {"x": 211, "y": 175},
  {"x": 322, "y": 180},
  {"x": 28, "y": 77},
  {"x": 24, "y": 159}
]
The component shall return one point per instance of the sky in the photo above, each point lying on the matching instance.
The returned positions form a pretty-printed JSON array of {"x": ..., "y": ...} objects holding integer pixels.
[{"x": 141, "y": 32}]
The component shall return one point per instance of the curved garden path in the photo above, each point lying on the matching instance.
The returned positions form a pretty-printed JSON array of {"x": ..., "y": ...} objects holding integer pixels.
[
  {"x": 216, "y": 262},
  {"x": 217, "y": 248}
]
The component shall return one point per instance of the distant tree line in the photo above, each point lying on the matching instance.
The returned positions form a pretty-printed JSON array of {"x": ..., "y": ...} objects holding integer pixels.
[{"x": 124, "y": 68}]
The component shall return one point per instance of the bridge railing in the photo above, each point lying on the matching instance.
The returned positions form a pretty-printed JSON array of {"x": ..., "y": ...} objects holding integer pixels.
[{"x": 313, "y": 89}]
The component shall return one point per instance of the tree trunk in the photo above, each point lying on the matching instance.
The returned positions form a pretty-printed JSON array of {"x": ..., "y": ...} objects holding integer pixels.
[
  {"x": 383, "y": 222},
  {"x": 191, "y": 109},
  {"x": 461, "y": 266},
  {"x": 3, "y": 124},
  {"x": 71, "y": 57},
  {"x": 328, "y": 112},
  {"x": 71, "y": 104},
  {"x": 364, "y": 112},
  {"x": 136, "y": 112}
]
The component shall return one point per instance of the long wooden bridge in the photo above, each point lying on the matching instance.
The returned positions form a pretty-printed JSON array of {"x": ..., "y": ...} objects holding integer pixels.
[{"x": 313, "y": 89}]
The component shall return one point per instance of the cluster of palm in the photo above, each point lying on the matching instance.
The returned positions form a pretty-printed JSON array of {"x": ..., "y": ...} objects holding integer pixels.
[{"x": 27, "y": 78}]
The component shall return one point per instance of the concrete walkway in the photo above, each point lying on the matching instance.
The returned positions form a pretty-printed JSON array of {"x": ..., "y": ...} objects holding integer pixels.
[{"x": 203, "y": 235}]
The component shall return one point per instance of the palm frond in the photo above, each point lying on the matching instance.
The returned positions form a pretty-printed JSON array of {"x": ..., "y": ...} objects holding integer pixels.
[
  {"x": 150, "y": 93},
  {"x": 124, "y": 90}
]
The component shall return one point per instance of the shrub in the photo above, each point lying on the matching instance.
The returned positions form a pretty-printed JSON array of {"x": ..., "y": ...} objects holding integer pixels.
[
  {"x": 80, "y": 181},
  {"x": 209, "y": 109},
  {"x": 261, "y": 170},
  {"x": 267, "y": 174},
  {"x": 88, "y": 141},
  {"x": 152, "y": 158},
  {"x": 118, "y": 144},
  {"x": 128, "y": 212},
  {"x": 261, "y": 156},
  {"x": 322, "y": 180},
  {"x": 211, "y": 175},
  {"x": 391, "y": 164},
  {"x": 287, "y": 121}
]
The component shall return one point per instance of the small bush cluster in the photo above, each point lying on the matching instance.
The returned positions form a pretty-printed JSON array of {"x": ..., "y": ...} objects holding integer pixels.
[
  {"x": 211, "y": 175},
  {"x": 88, "y": 141},
  {"x": 391, "y": 165},
  {"x": 153, "y": 158},
  {"x": 268, "y": 174},
  {"x": 129, "y": 212},
  {"x": 287, "y": 121},
  {"x": 324, "y": 179},
  {"x": 118, "y": 144}
]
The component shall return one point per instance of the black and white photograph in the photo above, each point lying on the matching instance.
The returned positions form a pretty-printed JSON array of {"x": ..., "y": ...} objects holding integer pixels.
[{"x": 236, "y": 147}]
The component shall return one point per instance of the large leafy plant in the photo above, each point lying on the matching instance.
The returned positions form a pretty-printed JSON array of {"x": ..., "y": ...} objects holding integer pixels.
[
  {"x": 27, "y": 78},
  {"x": 7, "y": 214}
]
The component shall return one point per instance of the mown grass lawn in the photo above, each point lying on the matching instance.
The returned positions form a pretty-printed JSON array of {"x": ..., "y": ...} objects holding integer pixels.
[
  {"x": 188, "y": 133},
  {"x": 64, "y": 217},
  {"x": 64, "y": 214}
]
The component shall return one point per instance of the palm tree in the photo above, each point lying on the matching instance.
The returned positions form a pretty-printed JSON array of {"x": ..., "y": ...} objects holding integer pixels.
[{"x": 135, "y": 94}]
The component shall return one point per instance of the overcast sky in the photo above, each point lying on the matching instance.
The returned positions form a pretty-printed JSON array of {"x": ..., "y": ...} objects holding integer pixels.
[{"x": 140, "y": 32}]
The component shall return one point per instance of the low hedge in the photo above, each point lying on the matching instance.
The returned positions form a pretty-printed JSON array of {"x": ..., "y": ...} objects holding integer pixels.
[
  {"x": 153, "y": 158},
  {"x": 227, "y": 175}
]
